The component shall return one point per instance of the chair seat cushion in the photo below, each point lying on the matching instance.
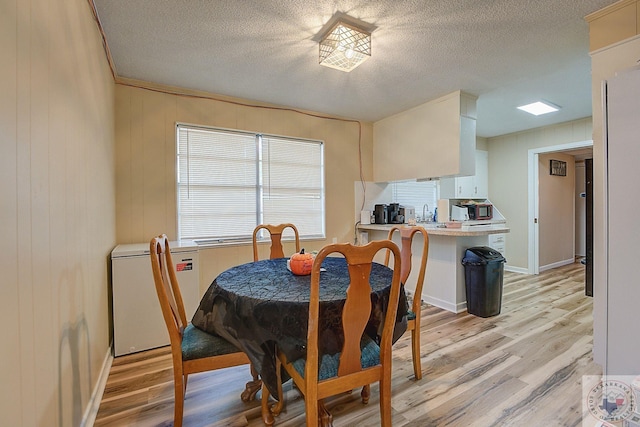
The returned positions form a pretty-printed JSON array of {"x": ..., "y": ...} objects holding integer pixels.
[
  {"x": 329, "y": 364},
  {"x": 197, "y": 344},
  {"x": 411, "y": 315}
]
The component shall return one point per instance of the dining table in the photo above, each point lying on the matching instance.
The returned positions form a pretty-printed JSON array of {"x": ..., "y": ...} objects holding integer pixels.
[{"x": 260, "y": 306}]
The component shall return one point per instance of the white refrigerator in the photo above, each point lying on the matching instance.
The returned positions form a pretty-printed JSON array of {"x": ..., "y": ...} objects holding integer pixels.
[
  {"x": 137, "y": 319},
  {"x": 622, "y": 143}
]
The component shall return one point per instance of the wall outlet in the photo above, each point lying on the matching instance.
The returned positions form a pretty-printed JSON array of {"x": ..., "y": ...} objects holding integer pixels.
[
  {"x": 334, "y": 240},
  {"x": 363, "y": 239}
]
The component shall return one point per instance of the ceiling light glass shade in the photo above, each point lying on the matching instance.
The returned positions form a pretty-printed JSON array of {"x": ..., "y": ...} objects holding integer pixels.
[
  {"x": 538, "y": 108},
  {"x": 344, "y": 47}
]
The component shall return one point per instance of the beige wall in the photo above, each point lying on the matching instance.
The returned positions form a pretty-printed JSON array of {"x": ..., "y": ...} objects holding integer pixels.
[
  {"x": 57, "y": 215},
  {"x": 481, "y": 143},
  {"x": 508, "y": 178},
  {"x": 556, "y": 212},
  {"x": 146, "y": 188}
]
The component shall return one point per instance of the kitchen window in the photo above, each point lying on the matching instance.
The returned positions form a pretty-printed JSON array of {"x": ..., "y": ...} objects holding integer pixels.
[
  {"x": 230, "y": 181},
  {"x": 422, "y": 195}
]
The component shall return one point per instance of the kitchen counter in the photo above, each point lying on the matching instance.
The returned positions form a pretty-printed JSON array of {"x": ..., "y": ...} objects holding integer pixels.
[
  {"x": 444, "y": 284},
  {"x": 471, "y": 228}
]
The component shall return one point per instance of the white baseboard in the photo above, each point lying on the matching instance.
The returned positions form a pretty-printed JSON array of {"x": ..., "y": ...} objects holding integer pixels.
[
  {"x": 89, "y": 417},
  {"x": 445, "y": 305},
  {"x": 556, "y": 264},
  {"x": 516, "y": 269},
  {"x": 461, "y": 307}
]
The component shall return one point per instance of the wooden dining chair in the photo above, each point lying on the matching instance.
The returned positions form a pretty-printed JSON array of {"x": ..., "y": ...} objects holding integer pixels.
[
  {"x": 275, "y": 232},
  {"x": 413, "y": 317},
  {"x": 361, "y": 361},
  {"x": 192, "y": 350}
]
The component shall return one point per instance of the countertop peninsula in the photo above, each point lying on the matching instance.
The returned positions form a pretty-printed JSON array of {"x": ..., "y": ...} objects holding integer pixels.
[
  {"x": 444, "y": 284},
  {"x": 469, "y": 228}
]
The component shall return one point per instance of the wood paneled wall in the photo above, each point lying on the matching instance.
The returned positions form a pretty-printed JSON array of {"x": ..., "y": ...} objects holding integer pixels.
[{"x": 57, "y": 198}]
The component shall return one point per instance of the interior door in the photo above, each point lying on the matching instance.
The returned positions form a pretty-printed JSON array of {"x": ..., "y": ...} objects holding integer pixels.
[{"x": 588, "y": 172}]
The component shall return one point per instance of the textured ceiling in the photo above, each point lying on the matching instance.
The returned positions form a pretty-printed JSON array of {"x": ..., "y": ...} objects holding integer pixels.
[{"x": 506, "y": 52}]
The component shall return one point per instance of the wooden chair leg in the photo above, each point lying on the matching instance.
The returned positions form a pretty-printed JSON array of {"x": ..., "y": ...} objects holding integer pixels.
[
  {"x": 312, "y": 413},
  {"x": 277, "y": 408},
  {"x": 415, "y": 352},
  {"x": 267, "y": 416},
  {"x": 252, "y": 387},
  {"x": 325, "y": 419},
  {"x": 254, "y": 372},
  {"x": 179, "y": 390},
  {"x": 365, "y": 393},
  {"x": 385, "y": 402}
]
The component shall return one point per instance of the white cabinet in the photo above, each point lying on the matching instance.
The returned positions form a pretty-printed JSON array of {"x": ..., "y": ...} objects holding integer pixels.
[
  {"x": 469, "y": 187},
  {"x": 497, "y": 242},
  {"x": 434, "y": 139}
]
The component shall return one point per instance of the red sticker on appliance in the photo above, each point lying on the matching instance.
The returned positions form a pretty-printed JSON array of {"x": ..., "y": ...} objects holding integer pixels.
[{"x": 184, "y": 266}]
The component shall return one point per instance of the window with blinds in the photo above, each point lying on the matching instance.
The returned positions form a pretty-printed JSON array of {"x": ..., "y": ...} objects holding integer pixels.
[
  {"x": 230, "y": 181},
  {"x": 416, "y": 194}
]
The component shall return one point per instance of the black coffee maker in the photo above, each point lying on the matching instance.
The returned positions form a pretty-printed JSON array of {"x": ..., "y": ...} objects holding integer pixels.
[
  {"x": 380, "y": 214},
  {"x": 393, "y": 214}
]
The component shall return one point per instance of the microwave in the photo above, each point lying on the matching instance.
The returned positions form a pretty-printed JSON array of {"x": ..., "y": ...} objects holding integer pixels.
[{"x": 480, "y": 211}]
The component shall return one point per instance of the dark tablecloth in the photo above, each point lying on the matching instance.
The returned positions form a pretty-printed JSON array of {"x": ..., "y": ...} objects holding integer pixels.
[{"x": 260, "y": 304}]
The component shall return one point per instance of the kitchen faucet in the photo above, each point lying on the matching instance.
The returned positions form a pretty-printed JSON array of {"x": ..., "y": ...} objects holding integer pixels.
[{"x": 425, "y": 212}]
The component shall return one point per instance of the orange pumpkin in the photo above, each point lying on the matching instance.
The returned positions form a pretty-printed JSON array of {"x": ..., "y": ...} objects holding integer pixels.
[{"x": 301, "y": 263}]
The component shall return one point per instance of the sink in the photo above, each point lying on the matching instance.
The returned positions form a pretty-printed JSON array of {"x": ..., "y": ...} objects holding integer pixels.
[{"x": 429, "y": 224}]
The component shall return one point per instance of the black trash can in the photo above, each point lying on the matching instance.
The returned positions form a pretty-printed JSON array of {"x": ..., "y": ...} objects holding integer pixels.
[{"x": 483, "y": 271}]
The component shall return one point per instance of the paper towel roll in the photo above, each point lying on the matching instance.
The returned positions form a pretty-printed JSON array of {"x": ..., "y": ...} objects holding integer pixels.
[{"x": 443, "y": 210}]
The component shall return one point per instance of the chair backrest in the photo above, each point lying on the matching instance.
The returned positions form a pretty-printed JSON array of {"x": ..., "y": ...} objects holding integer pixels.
[
  {"x": 355, "y": 314},
  {"x": 168, "y": 289},
  {"x": 406, "y": 239},
  {"x": 276, "y": 239}
]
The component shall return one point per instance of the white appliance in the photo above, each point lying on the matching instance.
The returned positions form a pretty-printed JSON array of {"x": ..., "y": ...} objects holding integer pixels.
[
  {"x": 621, "y": 292},
  {"x": 137, "y": 318},
  {"x": 365, "y": 217},
  {"x": 409, "y": 214},
  {"x": 459, "y": 213}
]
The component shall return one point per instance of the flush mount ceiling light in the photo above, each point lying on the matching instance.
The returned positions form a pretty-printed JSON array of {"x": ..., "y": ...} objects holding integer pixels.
[
  {"x": 538, "y": 108},
  {"x": 344, "y": 46}
]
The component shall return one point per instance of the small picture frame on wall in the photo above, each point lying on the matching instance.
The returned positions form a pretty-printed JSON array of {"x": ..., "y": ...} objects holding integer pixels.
[{"x": 557, "y": 167}]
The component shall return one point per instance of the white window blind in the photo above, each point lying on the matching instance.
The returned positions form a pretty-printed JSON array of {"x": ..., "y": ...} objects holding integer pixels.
[
  {"x": 416, "y": 194},
  {"x": 231, "y": 181}
]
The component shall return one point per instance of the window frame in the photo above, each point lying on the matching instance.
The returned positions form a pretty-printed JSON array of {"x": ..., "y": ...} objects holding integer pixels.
[
  {"x": 400, "y": 189},
  {"x": 261, "y": 139}
]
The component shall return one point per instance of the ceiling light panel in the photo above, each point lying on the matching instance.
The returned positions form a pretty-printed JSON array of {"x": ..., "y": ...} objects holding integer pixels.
[{"x": 539, "y": 107}]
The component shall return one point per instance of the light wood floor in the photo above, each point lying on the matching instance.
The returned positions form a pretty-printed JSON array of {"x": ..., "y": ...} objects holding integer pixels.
[{"x": 523, "y": 367}]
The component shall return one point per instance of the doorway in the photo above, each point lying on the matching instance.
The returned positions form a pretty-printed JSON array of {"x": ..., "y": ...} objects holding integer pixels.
[
  {"x": 588, "y": 286},
  {"x": 534, "y": 196}
]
